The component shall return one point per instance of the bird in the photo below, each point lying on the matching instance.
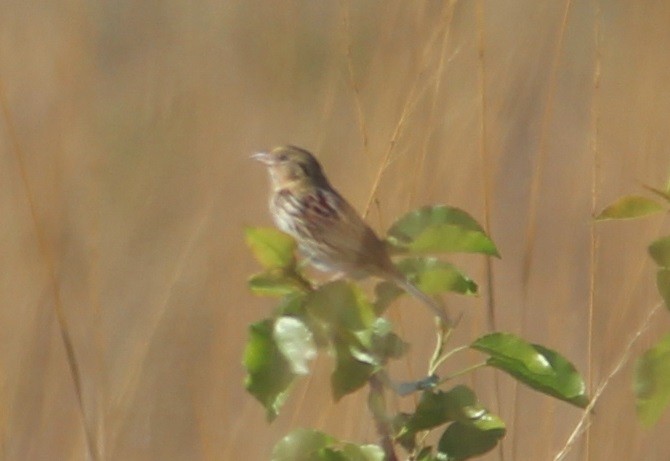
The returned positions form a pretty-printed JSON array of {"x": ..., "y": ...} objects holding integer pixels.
[{"x": 329, "y": 231}]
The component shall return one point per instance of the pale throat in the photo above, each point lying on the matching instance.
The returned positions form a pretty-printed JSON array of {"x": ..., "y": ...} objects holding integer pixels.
[{"x": 281, "y": 180}]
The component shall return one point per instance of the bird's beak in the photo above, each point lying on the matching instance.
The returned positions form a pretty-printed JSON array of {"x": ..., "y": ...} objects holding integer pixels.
[{"x": 263, "y": 157}]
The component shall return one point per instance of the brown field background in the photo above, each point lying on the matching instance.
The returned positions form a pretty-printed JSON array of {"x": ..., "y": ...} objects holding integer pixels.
[{"x": 126, "y": 186}]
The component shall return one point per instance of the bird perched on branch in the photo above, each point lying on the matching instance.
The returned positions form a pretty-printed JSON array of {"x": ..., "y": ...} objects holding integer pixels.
[{"x": 327, "y": 228}]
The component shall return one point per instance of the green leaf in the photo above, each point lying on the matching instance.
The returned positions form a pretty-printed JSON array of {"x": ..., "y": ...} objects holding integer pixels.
[
  {"x": 301, "y": 445},
  {"x": 385, "y": 344},
  {"x": 311, "y": 445},
  {"x": 433, "y": 276},
  {"x": 438, "y": 407},
  {"x": 660, "y": 251},
  {"x": 341, "y": 309},
  {"x": 434, "y": 409},
  {"x": 461, "y": 441},
  {"x": 342, "y": 306},
  {"x": 296, "y": 343},
  {"x": 385, "y": 294},
  {"x": 534, "y": 365},
  {"x": 426, "y": 454},
  {"x": 269, "y": 374},
  {"x": 271, "y": 247},
  {"x": 355, "y": 452},
  {"x": 329, "y": 454},
  {"x": 277, "y": 282},
  {"x": 435, "y": 229},
  {"x": 663, "y": 284},
  {"x": 402, "y": 435},
  {"x": 292, "y": 304},
  {"x": 477, "y": 429},
  {"x": 351, "y": 373},
  {"x": 629, "y": 207},
  {"x": 652, "y": 382}
]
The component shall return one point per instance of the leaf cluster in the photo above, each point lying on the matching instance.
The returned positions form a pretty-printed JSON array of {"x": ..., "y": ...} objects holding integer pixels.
[{"x": 338, "y": 319}]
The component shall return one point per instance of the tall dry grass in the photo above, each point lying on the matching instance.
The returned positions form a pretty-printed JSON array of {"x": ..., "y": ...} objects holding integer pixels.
[{"x": 124, "y": 137}]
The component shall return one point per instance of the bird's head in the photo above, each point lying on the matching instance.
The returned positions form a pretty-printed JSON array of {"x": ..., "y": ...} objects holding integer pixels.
[{"x": 290, "y": 166}]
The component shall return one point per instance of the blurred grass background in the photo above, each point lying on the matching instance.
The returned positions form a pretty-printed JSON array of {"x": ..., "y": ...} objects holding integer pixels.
[{"x": 126, "y": 185}]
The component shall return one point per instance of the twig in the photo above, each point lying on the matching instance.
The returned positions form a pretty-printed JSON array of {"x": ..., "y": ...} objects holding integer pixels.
[
  {"x": 435, "y": 364},
  {"x": 377, "y": 405}
]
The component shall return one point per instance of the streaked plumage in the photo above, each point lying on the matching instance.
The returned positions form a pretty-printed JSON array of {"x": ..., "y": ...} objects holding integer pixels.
[{"x": 327, "y": 228}]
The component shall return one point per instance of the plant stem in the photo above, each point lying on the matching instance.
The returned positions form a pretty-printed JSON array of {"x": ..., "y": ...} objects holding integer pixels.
[
  {"x": 435, "y": 359},
  {"x": 463, "y": 372},
  {"x": 377, "y": 405},
  {"x": 436, "y": 362}
]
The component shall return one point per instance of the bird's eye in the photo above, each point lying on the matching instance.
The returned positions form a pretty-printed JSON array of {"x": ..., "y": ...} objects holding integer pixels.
[{"x": 283, "y": 157}]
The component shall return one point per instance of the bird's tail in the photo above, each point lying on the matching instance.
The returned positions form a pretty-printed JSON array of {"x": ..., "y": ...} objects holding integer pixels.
[{"x": 432, "y": 303}]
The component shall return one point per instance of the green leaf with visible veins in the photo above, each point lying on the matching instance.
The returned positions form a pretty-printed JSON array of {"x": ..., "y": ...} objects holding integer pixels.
[
  {"x": 534, "y": 365},
  {"x": 438, "y": 229}
]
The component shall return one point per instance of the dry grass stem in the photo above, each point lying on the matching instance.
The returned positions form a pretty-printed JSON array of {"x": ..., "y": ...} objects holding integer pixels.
[
  {"x": 412, "y": 99},
  {"x": 595, "y": 179},
  {"x": 486, "y": 166},
  {"x": 433, "y": 106},
  {"x": 348, "y": 43},
  {"x": 584, "y": 421},
  {"x": 61, "y": 317},
  {"x": 122, "y": 405},
  {"x": 536, "y": 180}
]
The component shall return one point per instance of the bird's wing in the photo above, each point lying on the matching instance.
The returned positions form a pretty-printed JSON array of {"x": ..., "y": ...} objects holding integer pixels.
[{"x": 344, "y": 233}]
